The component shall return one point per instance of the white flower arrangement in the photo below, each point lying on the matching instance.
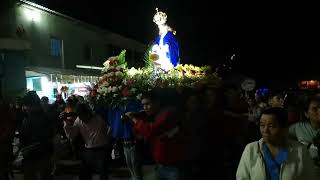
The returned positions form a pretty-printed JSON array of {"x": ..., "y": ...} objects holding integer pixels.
[{"x": 118, "y": 85}]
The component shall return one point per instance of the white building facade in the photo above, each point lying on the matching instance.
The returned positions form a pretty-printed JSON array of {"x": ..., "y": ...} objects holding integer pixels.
[{"x": 40, "y": 50}]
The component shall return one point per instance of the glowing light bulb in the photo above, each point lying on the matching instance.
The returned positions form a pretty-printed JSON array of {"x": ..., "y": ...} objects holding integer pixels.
[{"x": 32, "y": 14}]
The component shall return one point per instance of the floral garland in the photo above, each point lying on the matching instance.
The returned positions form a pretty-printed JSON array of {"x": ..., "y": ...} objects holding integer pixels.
[{"x": 119, "y": 85}]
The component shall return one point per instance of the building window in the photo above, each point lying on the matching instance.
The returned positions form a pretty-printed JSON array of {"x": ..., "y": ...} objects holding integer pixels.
[
  {"x": 36, "y": 83},
  {"x": 55, "y": 47}
]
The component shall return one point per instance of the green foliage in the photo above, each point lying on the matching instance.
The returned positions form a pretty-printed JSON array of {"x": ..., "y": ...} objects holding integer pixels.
[
  {"x": 122, "y": 58},
  {"x": 148, "y": 63}
]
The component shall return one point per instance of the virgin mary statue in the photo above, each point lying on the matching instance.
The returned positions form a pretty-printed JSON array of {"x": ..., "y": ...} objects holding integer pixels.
[{"x": 166, "y": 45}]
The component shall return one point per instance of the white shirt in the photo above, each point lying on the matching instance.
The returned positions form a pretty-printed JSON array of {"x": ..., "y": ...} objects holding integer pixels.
[
  {"x": 94, "y": 132},
  {"x": 304, "y": 133}
]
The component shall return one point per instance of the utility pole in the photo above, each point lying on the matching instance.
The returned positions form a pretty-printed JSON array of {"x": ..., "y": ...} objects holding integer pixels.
[{"x": 62, "y": 55}]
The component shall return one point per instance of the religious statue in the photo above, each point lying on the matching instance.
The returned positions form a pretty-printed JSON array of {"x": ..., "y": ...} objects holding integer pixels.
[{"x": 166, "y": 47}]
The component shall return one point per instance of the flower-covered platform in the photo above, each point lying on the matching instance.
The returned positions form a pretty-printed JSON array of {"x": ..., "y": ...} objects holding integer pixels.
[{"x": 119, "y": 84}]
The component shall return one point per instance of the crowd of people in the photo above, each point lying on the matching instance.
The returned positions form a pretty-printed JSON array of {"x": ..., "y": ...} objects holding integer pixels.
[{"x": 205, "y": 133}]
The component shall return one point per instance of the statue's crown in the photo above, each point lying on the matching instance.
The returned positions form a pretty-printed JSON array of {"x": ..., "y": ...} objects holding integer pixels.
[{"x": 160, "y": 17}]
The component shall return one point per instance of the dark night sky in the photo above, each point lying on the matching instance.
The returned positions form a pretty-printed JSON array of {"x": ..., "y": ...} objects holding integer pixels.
[{"x": 272, "y": 41}]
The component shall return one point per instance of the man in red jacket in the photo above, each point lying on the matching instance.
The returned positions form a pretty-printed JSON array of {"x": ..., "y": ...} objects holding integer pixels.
[{"x": 159, "y": 125}]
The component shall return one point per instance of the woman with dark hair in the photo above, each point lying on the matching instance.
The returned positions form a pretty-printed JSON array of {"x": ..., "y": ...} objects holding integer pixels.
[{"x": 274, "y": 156}]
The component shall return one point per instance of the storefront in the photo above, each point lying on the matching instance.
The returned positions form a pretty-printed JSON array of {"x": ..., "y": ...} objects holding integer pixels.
[
  {"x": 53, "y": 81},
  {"x": 309, "y": 84}
]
